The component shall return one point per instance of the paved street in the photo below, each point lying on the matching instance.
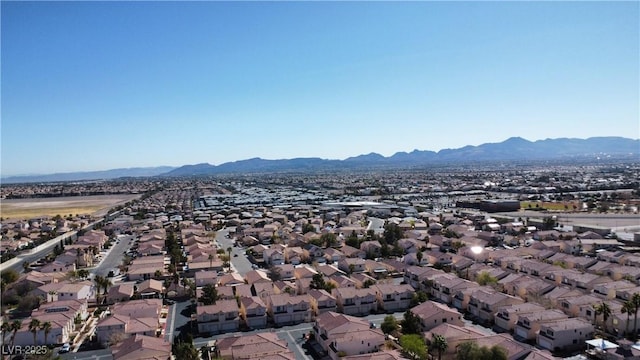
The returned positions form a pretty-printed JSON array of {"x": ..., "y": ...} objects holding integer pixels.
[
  {"x": 240, "y": 263},
  {"x": 113, "y": 257},
  {"x": 176, "y": 320},
  {"x": 34, "y": 255}
]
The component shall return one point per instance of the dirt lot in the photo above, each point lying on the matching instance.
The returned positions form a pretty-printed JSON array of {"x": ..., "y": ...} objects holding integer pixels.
[{"x": 93, "y": 205}]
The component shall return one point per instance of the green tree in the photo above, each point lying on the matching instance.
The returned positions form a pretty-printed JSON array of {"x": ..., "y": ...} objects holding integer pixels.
[
  {"x": 209, "y": 295},
  {"x": 83, "y": 273},
  {"x": 204, "y": 352},
  {"x": 484, "y": 278},
  {"x": 329, "y": 239},
  {"x": 9, "y": 276},
  {"x": 419, "y": 297},
  {"x": 308, "y": 228},
  {"x": 411, "y": 323},
  {"x": 439, "y": 343},
  {"x": 184, "y": 350},
  {"x": 389, "y": 324},
  {"x": 413, "y": 346},
  {"x": 317, "y": 281},
  {"x": 469, "y": 350},
  {"x": 353, "y": 240},
  {"x": 392, "y": 233},
  {"x": 548, "y": 223}
]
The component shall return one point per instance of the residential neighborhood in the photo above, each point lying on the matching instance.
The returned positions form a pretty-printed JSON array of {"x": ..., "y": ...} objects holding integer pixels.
[{"x": 240, "y": 266}]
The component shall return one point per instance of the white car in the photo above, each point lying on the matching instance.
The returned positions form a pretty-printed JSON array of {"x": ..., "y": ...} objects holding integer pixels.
[{"x": 65, "y": 348}]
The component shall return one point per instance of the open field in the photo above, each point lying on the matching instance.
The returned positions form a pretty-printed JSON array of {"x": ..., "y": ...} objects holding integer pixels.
[
  {"x": 556, "y": 206},
  {"x": 93, "y": 205}
]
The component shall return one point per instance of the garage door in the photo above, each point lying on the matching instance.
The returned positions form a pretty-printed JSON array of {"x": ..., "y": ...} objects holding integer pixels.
[{"x": 545, "y": 343}]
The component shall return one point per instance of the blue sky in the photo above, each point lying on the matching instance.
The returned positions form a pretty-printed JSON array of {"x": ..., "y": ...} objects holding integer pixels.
[{"x": 102, "y": 85}]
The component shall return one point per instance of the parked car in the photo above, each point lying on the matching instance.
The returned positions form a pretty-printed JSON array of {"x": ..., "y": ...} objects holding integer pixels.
[{"x": 65, "y": 348}]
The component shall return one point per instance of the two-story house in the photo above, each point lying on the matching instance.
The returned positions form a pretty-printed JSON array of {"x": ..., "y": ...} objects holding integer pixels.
[
  {"x": 342, "y": 335},
  {"x": 564, "y": 334},
  {"x": 357, "y": 302},
  {"x": 285, "y": 309},
  {"x": 393, "y": 298},
  {"x": 221, "y": 317}
]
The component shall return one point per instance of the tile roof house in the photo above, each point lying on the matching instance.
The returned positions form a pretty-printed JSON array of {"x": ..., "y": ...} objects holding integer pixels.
[
  {"x": 142, "y": 347},
  {"x": 264, "y": 345},
  {"x": 120, "y": 292},
  {"x": 608, "y": 289},
  {"x": 564, "y": 334},
  {"x": 352, "y": 301},
  {"x": 206, "y": 277},
  {"x": 515, "y": 350},
  {"x": 343, "y": 335},
  {"x": 462, "y": 296},
  {"x": 506, "y": 317},
  {"x": 420, "y": 277},
  {"x": 432, "y": 314},
  {"x": 285, "y": 309},
  {"x": 484, "y": 304},
  {"x": 221, "y": 317},
  {"x": 61, "y": 315},
  {"x": 529, "y": 324},
  {"x": 253, "y": 312},
  {"x": 444, "y": 287},
  {"x": 393, "y": 298},
  {"x": 578, "y": 305},
  {"x": 454, "y": 334},
  {"x": 130, "y": 318},
  {"x": 352, "y": 265},
  {"x": 321, "y": 302}
]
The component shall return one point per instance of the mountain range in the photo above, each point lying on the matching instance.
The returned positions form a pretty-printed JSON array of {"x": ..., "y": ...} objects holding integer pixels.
[{"x": 512, "y": 149}]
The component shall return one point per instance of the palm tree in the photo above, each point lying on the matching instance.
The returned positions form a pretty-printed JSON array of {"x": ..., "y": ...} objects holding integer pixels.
[
  {"x": 628, "y": 308},
  {"x": 605, "y": 310},
  {"x": 51, "y": 294},
  {"x": 635, "y": 299},
  {"x": 6, "y": 328},
  {"x": 166, "y": 283},
  {"x": 34, "y": 326},
  {"x": 99, "y": 280},
  {"x": 16, "y": 325},
  {"x": 229, "y": 251},
  {"x": 106, "y": 284},
  {"x": 46, "y": 327},
  {"x": 210, "y": 260},
  {"x": 419, "y": 257},
  {"x": 439, "y": 343}
]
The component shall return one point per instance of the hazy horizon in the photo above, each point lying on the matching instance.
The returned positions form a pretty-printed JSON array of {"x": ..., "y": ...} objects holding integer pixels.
[{"x": 91, "y": 86}]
